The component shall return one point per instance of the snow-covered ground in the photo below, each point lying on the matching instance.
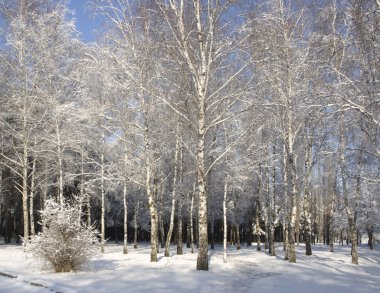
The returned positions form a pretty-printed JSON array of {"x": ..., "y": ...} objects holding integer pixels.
[{"x": 246, "y": 271}]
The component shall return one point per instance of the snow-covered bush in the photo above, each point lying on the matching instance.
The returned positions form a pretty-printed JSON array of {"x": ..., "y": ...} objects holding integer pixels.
[{"x": 64, "y": 243}]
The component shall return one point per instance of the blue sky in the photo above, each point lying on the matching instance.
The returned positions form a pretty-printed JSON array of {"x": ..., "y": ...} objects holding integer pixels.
[{"x": 84, "y": 22}]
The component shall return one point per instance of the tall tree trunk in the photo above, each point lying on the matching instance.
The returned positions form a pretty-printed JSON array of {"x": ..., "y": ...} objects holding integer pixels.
[
  {"x": 151, "y": 200},
  {"x": 272, "y": 206},
  {"x": 154, "y": 221},
  {"x": 266, "y": 245},
  {"x": 351, "y": 215},
  {"x": 370, "y": 237},
  {"x": 81, "y": 191},
  {"x": 174, "y": 195},
  {"x": 103, "y": 205},
  {"x": 331, "y": 218},
  {"x": 267, "y": 213},
  {"x": 88, "y": 211},
  {"x": 202, "y": 259},
  {"x": 196, "y": 233},
  {"x": 125, "y": 201},
  {"x": 291, "y": 173},
  {"x": 286, "y": 209},
  {"x": 352, "y": 224},
  {"x": 179, "y": 224},
  {"x": 60, "y": 165},
  {"x": 31, "y": 203},
  {"x": 298, "y": 219},
  {"x": 306, "y": 207},
  {"x": 201, "y": 86},
  {"x": 331, "y": 232},
  {"x": 257, "y": 212},
  {"x": 293, "y": 209},
  {"x": 191, "y": 220},
  {"x": 25, "y": 192},
  {"x": 135, "y": 223},
  {"x": 161, "y": 217},
  {"x": 225, "y": 219}
]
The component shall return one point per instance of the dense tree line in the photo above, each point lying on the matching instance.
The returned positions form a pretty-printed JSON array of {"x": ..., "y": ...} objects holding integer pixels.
[{"x": 194, "y": 121}]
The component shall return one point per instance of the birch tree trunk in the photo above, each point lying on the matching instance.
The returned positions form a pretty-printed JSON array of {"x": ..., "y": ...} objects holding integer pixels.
[
  {"x": 202, "y": 260},
  {"x": 286, "y": 209},
  {"x": 174, "y": 195},
  {"x": 272, "y": 207},
  {"x": 191, "y": 220},
  {"x": 351, "y": 215},
  {"x": 81, "y": 195},
  {"x": 307, "y": 200},
  {"x": 298, "y": 219},
  {"x": 266, "y": 244},
  {"x": 179, "y": 223},
  {"x": 161, "y": 217},
  {"x": 25, "y": 190},
  {"x": 196, "y": 46},
  {"x": 24, "y": 167},
  {"x": 293, "y": 209},
  {"x": 257, "y": 212},
  {"x": 225, "y": 219},
  {"x": 291, "y": 172},
  {"x": 103, "y": 203},
  {"x": 125, "y": 201},
  {"x": 60, "y": 166},
  {"x": 31, "y": 203},
  {"x": 331, "y": 213},
  {"x": 151, "y": 200},
  {"x": 88, "y": 212}
]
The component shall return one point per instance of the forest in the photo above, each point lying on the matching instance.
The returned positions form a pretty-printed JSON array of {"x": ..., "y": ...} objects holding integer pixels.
[{"x": 194, "y": 123}]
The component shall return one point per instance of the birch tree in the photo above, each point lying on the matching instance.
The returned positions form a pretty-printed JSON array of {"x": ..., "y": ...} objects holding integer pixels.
[{"x": 199, "y": 43}]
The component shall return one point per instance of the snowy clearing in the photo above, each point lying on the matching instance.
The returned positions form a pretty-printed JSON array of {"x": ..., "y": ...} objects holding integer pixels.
[{"x": 246, "y": 271}]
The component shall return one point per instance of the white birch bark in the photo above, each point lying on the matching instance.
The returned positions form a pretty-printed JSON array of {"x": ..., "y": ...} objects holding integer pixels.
[
  {"x": 25, "y": 183},
  {"x": 174, "y": 196},
  {"x": 307, "y": 195},
  {"x": 161, "y": 218},
  {"x": 151, "y": 200},
  {"x": 271, "y": 209},
  {"x": 351, "y": 214},
  {"x": 125, "y": 221},
  {"x": 191, "y": 220},
  {"x": 60, "y": 166},
  {"x": 31, "y": 202},
  {"x": 272, "y": 206},
  {"x": 258, "y": 211},
  {"x": 88, "y": 211},
  {"x": 103, "y": 204},
  {"x": 81, "y": 195},
  {"x": 286, "y": 209},
  {"x": 225, "y": 190},
  {"x": 180, "y": 236}
]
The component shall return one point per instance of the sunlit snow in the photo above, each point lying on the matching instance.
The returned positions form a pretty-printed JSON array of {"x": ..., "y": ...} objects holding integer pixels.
[{"x": 246, "y": 271}]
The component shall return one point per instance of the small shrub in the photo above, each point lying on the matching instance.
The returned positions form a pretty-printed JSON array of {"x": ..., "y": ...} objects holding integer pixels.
[{"x": 64, "y": 243}]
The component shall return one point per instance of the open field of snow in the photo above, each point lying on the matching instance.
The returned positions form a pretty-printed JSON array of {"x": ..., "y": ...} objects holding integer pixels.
[{"x": 246, "y": 271}]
